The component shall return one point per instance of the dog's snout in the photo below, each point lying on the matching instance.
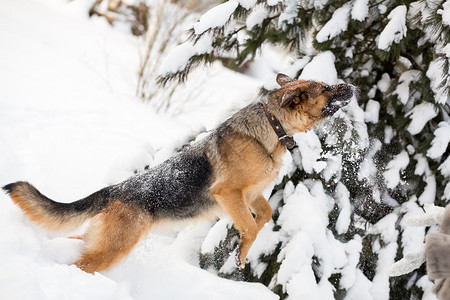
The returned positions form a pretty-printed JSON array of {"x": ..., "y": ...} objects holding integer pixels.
[{"x": 341, "y": 96}]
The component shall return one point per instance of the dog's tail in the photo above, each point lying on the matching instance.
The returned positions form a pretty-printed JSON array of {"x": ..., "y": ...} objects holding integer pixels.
[{"x": 55, "y": 215}]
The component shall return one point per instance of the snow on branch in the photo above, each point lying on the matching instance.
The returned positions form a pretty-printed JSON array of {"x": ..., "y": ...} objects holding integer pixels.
[
  {"x": 440, "y": 142},
  {"x": 420, "y": 115},
  {"x": 395, "y": 30},
  {"x": 393, "y": 169},
  {"x": 445, "y": 13},
  {"x": 414, "y": 259},
  {"x": 179, "y": 61},
  {"x": 360, "y": 10},
  {"x": 215, "y": 17},
  {"x": 337, "y": 24},
  {"x": 200, "y": 46}
]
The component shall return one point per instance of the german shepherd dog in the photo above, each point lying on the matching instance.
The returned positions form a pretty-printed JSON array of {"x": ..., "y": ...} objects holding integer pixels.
[{"x": 224, "y": 172}]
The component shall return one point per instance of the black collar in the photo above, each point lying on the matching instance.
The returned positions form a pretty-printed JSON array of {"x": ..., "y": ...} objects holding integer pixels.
[{"x": 286, "y": 140}]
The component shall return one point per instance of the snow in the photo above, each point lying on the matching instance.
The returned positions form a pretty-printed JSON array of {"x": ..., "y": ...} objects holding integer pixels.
[
  {"x": 435, "y": 74},
  {"x": 384, "y": 83},
  {"x": 310, "y": 149},
  {"x": 216, "y": 234},
  {"x": 395, "y": 29},
  {"x": 321, "y": 68},
  {"x": 380, "y": 287},
  {"x": 289, "y": 14},
  {"x": 432, "y": 216},
  {"x": 71, "y": 125},
  {"x": 343, "y": 201},
  {"x": 445, "y": 13},
  {"x": 388, "y": 134},
  {"x": 179, "y": 57},
  {"x": 361, "y": 288},
  {"x": 247, "y": 4},
  {"x": 411, "y": 262},
  {"x": 372, "y": 111},
  {"x": 386, "y": 228},
  {"x": 446, "y": 195},
  {"x": 426, "y": 285},
  {"x": 266, "y": 242},
  {"x": 444, "y": 168},
  {"x": 402, "y": 89},
  {"x": 350, "y": 271},
  {"x": 304, "y": 221},
  {"x": 440, "y": 141},
  {"x": 256, "y": 17},
  {"x": 360, "y": 10},
  {"x": 429, "y": 194},
  {"x": 215, "y": 17},
  {"x": 393, "y": 169},
  {"x": 367, "y": 167},
  {"x": 420, "y": 115},
  {"x": 337, "y": 24},
  {"x": 334, "y": 164}
]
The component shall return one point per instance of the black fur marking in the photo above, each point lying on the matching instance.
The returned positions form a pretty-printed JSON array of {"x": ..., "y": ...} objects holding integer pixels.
[
  {"x": 8, "y": 188},
  {"x": 175, "y": 189}
]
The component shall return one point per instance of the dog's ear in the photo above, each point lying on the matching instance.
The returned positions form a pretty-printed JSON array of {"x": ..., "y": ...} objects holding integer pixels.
[
  {"x": 293, "y": 94},
  {"x": 289, "y": 96},
  {"x": 283, "y": 79}
]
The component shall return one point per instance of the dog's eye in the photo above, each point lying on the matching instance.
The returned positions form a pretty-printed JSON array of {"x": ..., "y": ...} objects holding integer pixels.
[
  {"x": 294, "y": 100},
  {"x": 326, "y": 89},
  {"x": 303, "y": 96}
]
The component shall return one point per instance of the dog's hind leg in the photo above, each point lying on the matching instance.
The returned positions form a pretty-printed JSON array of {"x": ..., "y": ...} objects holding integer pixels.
[
  {"x": 233, "y": 202},
  {"x": 262, "y": 210},
  {"x": 112, "y": 235}
]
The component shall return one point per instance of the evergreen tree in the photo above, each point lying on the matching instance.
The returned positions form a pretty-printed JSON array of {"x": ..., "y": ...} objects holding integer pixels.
[{"x": 380, "y": 160}]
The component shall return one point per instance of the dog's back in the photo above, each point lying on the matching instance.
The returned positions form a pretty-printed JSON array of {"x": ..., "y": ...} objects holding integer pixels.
[{"x": 176, "y": 189}]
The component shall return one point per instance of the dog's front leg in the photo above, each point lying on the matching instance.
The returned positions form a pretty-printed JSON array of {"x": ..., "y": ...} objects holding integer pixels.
[
  {"x": 233, "y": 202},
  {"x": 262, "y": 210}
]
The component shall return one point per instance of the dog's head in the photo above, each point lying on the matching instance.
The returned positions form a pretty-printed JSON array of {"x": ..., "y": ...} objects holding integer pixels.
[{"x": 311, "y": 101}]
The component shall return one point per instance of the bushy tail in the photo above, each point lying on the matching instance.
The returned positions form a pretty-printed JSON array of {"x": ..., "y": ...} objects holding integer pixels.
[{"x": 55, "y": 215}]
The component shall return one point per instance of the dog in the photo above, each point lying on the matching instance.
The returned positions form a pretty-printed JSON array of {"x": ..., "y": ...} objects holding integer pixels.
[{"x": 226, "y": 172}]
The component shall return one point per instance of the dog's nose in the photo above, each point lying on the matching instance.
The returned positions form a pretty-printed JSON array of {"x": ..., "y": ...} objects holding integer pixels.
[{"x": 341, "y": 96}]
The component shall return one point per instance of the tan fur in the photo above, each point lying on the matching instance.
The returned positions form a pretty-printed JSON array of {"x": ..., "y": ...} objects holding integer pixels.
[
  {"x": 38, "y": 215},
  {"x": 112, "y": 235}
]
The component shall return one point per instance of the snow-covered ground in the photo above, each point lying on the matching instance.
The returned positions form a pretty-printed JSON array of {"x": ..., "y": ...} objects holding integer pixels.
[{"x": 70, "y": 124}]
